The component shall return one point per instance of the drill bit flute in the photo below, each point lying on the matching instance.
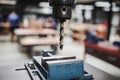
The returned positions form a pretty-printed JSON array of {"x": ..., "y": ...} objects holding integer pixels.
[
  {"x": 62, "y": 10},
  {"x": 61, "y": 35}
]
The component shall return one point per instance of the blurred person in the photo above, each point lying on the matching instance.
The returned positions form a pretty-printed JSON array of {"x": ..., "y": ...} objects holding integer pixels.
[
  {"x": 118, "y": 31},
  {"x": 0, "y": 17},
  {"x": 32, "y": 23},
  {"x": 92, "y": 36},
  {"x": 41, "y": 22},
  {"x": 14, "y": 20},
  {"x": 1, "y": 23},
  {"x": 51, "y": 23}
]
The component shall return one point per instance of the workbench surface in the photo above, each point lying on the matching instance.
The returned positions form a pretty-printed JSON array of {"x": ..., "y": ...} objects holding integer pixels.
[
  {"x": 30, "y": 32},
  {"x": 9, "y": 73}
]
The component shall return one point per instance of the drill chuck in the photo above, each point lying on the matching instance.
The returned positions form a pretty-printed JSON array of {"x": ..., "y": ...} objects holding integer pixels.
[{"x": 62, "y": 9}]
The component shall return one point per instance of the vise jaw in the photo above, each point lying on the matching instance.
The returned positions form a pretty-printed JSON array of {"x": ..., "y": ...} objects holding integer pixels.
[{"x": 58, "y": 68}]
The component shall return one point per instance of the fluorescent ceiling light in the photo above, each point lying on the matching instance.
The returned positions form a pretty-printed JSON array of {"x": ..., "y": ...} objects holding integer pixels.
[
  {"x": 102, "y": 4},
  {"x": 115, "y": 9},
  {"x": 42, "y": 10},
  {"x": 46, "y": 11},
  {"x": 10, "y": 2},
  {"x": 84, "y": 7},
  {"x": 89, "y": 7},
  {"x": 44, "y": 4}
]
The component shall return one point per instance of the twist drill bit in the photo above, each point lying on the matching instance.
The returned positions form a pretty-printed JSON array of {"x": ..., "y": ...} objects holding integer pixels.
[{"x": 61, "y": 36}]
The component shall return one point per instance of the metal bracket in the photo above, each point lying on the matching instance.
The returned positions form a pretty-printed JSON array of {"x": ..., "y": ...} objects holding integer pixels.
[{"x": 33, "y": 71}]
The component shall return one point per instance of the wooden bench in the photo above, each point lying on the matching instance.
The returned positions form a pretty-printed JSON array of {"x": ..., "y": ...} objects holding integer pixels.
[
  {"x": 110, "y": 55},
  {"x": 20, "y": 33},
  {"x": 31, "y": 42}
]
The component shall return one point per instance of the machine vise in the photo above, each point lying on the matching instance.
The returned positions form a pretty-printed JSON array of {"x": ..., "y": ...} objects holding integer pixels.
[{"x": 57, "y": 68}]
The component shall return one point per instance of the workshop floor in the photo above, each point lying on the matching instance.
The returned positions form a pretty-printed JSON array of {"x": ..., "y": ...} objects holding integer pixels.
[{"x": 10, "y": 54}]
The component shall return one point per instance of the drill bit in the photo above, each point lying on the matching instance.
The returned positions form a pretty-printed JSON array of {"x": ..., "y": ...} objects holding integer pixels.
[{"x": 61, "y": 36}]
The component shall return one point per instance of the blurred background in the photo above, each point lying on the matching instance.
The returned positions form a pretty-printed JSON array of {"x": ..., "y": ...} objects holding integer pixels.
[{"x": 92, "y": 34}]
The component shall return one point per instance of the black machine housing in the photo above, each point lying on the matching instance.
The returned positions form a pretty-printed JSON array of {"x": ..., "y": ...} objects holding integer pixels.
[{"x": 62, "y": 9}]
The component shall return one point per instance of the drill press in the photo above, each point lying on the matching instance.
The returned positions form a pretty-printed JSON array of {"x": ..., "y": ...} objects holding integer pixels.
[
  {"x": 49, "y": 67},
  {"x": 62, "y": 10}
]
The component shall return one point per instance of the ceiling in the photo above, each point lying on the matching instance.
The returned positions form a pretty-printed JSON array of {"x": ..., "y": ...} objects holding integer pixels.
[
  {"x": 22, "y": 4},
  {"x": 36, "y": 1}
]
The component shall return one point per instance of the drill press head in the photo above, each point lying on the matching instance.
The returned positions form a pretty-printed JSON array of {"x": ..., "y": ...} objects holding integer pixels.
[{"x": 62, "y": 9}]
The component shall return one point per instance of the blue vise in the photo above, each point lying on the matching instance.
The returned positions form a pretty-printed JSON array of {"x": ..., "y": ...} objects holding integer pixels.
[{"x": 61, "y": 68}]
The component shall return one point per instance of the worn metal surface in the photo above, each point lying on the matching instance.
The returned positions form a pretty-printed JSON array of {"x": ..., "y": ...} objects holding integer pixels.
[
  {"x": 65, "y": 70},
  {"x": 61, "y": 68}
]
